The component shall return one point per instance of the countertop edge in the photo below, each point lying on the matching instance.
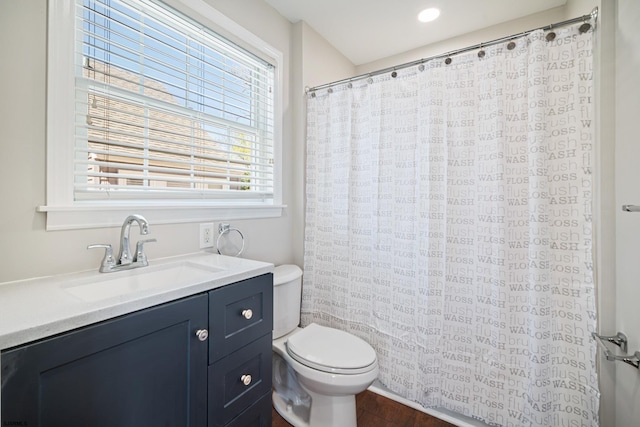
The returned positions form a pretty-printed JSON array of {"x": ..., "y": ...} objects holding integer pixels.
[{"x": 85, "y": 317}]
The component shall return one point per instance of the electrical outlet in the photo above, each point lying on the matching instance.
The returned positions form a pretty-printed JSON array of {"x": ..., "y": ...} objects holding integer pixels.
[{"x": 206, "y": 235}]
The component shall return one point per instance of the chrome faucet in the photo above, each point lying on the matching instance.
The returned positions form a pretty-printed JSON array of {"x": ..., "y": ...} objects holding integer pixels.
[
  {"x": 125, "y": 260},
  {"x": 124, "y": 257}
]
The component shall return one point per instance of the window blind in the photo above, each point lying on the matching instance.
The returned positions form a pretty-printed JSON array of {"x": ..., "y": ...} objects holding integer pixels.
[{"x": 165, "y": 108}]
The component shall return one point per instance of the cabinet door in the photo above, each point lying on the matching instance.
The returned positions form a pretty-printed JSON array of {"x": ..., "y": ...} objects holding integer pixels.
[
  {"x": 144, "y": 369},
  {"x": 237, "y": 381},
  {"x": 239, "y": 314}
]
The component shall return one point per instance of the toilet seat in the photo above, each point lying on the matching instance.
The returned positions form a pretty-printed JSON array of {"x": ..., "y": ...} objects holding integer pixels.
[{"x": 331, "y": 350}]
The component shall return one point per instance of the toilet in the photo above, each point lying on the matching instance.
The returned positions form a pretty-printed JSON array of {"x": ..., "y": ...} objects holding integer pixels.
[{"x": 317, "y": 371}]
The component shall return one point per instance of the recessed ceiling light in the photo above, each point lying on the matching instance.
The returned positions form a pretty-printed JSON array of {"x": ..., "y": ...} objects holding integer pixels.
[{"x": 428, "y": 15}]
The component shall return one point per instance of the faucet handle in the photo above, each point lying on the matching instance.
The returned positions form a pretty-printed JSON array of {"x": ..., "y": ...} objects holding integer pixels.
[
  {"x": 108, "y": 262},
  {"x": 141, "y": 257}
]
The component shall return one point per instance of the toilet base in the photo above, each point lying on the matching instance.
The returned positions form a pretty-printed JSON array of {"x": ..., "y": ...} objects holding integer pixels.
[
  {"x": 286, "y": 411},
  {"x": 326, "y": 411}
]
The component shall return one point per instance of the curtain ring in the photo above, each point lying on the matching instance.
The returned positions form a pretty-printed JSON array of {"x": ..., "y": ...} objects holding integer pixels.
[
  {"x": 448, "y": 61},
  {"x": 584, "y": 28},
  {"x": 585, "y": 25},
  {"x": 481, "y": 52},
  {"x": 550, "y": 36},
  {"x": 511, "y": 45},
  {"x": 394, "y": 74}
]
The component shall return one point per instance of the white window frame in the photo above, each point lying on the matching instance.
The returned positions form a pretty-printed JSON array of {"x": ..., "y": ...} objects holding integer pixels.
[{"x": 62, "y": 211}]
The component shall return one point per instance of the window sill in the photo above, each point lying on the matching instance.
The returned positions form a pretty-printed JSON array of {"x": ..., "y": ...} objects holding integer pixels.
[{"x": 96, "y": 216}]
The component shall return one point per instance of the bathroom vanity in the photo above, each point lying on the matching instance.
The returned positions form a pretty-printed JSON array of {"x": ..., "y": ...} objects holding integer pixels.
[{"x": 196, "y": 353}]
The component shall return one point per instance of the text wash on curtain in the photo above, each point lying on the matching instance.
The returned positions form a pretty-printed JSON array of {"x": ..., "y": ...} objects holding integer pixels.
[{"x": 448, "y": 223}]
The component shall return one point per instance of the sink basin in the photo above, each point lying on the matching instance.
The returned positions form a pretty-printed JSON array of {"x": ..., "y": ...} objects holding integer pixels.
[{"x": 111, "y": 285}]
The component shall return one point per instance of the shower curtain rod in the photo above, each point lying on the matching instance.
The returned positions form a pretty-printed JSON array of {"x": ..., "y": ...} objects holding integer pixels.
[{"x": 593, "y": 15}]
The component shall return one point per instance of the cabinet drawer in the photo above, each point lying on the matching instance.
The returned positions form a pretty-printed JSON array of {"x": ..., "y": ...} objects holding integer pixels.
[
  {"x": 239, "y": 314},
  {"x": 258, "y": 415},
  {"x": 228, "y": 394}
]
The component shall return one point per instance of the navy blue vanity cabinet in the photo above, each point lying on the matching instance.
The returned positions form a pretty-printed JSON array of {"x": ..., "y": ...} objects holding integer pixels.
[
  {"x": 152, "y": 368},
  {"x": 147, "y": 368},
  {"x": 241, "y": 324}
]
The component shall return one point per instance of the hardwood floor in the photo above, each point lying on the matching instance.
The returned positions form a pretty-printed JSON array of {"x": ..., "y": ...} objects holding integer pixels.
[{"x": 378, "y": 411}]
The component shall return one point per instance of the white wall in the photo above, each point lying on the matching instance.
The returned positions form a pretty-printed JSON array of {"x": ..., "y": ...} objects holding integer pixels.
[
  {"x": 26, "y": 249},
  {"x": 605, "y": 212},
  {"x": 627, "y": 191}
]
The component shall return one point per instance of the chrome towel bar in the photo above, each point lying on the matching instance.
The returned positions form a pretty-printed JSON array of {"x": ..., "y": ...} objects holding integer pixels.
[
  {"x": 631, "y": 208},
  {"x": 620, "y": 340}
]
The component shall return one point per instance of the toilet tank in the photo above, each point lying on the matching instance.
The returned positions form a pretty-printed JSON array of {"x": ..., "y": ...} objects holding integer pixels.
[{"x": 287, "y": 292}]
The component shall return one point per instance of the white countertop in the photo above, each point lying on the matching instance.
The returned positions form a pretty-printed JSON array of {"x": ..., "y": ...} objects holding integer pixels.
[{"x": 37, "y": 308}]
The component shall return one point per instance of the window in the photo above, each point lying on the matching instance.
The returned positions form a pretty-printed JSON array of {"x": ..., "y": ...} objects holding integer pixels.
[{"x": 166, "y": 116}]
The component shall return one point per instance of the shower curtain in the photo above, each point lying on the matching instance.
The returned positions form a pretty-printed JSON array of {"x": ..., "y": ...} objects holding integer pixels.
[{"x": 448, "y": 223}]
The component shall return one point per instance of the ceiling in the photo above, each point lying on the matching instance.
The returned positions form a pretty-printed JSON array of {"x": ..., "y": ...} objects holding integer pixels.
[{"x": 368, "y": 30}]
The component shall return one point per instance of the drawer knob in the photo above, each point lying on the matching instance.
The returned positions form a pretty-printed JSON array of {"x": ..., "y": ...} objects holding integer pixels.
[
  {"x": 246, "y": 379},
  {"x": 247, "y": 314},
  {"x": 202, "y": 334}
]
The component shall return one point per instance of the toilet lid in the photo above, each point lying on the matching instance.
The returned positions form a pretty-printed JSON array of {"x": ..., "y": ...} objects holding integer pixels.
[{"x": 331, "y": 350}]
